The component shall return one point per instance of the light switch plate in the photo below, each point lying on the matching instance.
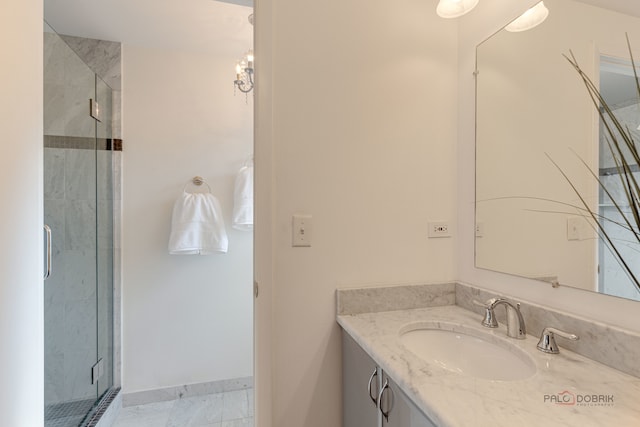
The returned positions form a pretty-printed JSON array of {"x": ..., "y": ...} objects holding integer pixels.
[
  {"x": 574, "y": 225},
  {"x": 302, "y": 231}
]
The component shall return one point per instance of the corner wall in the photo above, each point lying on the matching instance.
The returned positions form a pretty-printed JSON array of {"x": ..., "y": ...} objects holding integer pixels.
[{"x": 21, "y": 171}]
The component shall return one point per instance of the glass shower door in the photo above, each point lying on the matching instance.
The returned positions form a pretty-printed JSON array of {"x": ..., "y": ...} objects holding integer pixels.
[
  {"x": 104, "y": 227},
  {"x": 77, "y": 202}
]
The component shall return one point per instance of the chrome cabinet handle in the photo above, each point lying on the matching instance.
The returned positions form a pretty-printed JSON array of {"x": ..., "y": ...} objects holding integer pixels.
[
  {"x": 374, "y": 374},
  {"x": 386, "y": 386},
  {"x": 47, "y": 273}
]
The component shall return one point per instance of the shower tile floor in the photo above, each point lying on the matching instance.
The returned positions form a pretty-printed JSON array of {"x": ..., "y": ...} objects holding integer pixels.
[
  {"x": 67, "y": 414},
  {"x": 228, "y": 409}
]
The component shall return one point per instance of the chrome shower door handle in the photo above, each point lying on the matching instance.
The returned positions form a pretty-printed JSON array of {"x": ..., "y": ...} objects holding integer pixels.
[{"x": 47, "y": 272}]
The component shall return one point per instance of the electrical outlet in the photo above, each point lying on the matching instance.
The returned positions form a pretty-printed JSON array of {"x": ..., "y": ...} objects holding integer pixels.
[{"x": 439, "y": 229}]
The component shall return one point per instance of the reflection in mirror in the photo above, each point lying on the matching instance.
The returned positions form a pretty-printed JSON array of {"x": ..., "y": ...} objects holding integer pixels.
[
  {"x": 618, "y": 87},
  {"x": 533, "y": 111}
]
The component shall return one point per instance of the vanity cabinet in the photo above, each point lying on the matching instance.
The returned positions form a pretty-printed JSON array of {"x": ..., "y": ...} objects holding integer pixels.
[
  {"x": 370, "y": 397},
  {"x": 359, "y": 402},
  {"x": 397, "y": 410}
]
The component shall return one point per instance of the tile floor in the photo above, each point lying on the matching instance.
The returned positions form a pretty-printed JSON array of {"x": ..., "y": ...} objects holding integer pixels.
[{"x": 228, "y": 409}]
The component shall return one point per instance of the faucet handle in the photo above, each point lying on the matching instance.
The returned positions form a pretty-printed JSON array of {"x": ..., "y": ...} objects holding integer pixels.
[
  {"x": 489, "y": 320},
  {"x": 490, "y": 302},
  {"x": 547, "y": 343}
]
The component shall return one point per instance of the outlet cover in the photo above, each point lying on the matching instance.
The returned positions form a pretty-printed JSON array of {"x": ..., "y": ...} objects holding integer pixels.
[{"x": 439, "y": 229}]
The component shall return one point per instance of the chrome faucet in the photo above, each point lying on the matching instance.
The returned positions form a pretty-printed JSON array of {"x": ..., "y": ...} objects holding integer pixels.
[{"x": 515, "y": 321}]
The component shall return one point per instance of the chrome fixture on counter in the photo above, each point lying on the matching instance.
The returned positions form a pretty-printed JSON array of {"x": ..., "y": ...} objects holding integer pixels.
[
  {"x": 547, "y": 343},
  {"x": 515, "y": 322}
]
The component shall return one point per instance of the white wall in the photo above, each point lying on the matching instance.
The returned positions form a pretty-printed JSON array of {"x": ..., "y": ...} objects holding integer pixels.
[
  {"x": 21, "y": 260},
  {"x": 364, "y": 131},
  {"x": 486, "y": 19},
  {"x": 186, "y": 319}
]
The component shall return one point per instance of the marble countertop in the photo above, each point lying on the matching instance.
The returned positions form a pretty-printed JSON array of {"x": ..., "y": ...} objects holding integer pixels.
[{"x": 451, "y": 399}]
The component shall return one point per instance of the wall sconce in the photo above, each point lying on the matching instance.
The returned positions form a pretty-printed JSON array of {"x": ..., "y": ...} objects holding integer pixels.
[
  {"x": 244, "y": 73},
  {"x": 529, "y": 19},
  {"x": 455, "y": 8}
]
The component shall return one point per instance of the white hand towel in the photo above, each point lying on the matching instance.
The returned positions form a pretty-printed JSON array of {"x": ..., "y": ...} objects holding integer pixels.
[
  {"x": 243, "y": 200},
  {"x": 197, "y": 226}
]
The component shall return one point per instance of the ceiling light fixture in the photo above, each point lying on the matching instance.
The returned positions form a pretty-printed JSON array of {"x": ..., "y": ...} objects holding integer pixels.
[
  {"x": 455, "y": 8},
  {"x": 531, "y": 18}
]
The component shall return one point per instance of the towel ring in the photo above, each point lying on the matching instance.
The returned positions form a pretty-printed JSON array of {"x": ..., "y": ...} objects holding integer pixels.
[
  {"x": 248, "y": 161},
  {"x": 197, "y": 181}
]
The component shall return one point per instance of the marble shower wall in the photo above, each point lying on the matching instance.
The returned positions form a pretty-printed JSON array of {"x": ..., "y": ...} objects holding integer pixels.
[
  {"x": 105, "y": 59},
  {"x": 68, "y": 86},
  {"x": 68, "y": 61}
]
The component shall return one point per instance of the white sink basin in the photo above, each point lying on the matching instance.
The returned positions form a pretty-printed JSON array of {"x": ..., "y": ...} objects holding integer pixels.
[{"x": 468, "y": 351}]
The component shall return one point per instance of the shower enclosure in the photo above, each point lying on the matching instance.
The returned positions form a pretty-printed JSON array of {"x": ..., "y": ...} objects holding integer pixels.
[{"x": 78, "y": 208}]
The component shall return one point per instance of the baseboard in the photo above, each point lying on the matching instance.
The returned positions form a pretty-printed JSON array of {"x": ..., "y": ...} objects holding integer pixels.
[{"x": 189, "y": 390}]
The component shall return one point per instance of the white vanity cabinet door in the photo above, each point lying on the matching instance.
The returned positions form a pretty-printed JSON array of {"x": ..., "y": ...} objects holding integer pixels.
[
  {"x": 359, "y": 410},
  {"x": 401, "y": 411}
]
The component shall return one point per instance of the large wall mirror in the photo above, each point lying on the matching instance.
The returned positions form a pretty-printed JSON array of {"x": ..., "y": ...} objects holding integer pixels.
[{"x": 536, "y": 121}]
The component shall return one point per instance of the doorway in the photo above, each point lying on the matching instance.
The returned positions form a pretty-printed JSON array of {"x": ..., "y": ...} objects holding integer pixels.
[{"x": 187, "y": 320}]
